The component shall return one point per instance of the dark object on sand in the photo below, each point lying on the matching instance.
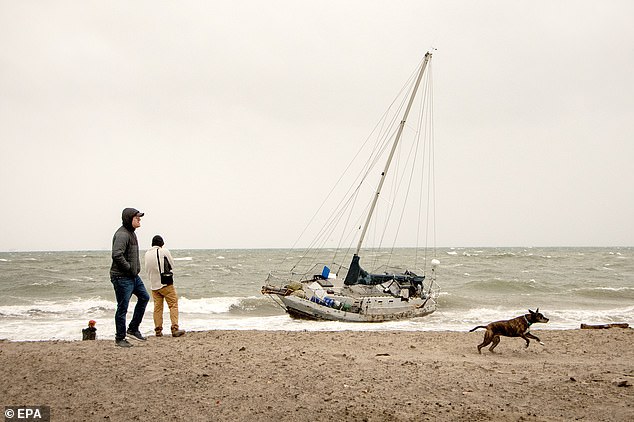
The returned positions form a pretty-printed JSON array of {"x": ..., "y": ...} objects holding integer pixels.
[
  {"x": 90, "y": 332},
  {"x": 604, "y": 326}
]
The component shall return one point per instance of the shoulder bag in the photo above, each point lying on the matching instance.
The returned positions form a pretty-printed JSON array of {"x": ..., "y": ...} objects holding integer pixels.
[{"x": 167, "y": 277}]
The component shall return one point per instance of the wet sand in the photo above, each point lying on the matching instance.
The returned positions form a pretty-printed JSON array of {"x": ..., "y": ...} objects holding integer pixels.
[{"x": 319, "y": 376}]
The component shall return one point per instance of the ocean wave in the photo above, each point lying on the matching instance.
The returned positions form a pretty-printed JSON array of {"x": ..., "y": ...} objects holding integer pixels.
[
  {"x": 499, "y": 286},
  {"x": 43, "y": 283},
  {"x": 208, "y": 305},
  {"x": 260, "y": 305},
  {"x": 205, "y": 306},
  {"x": 233, "y": 305},
  {"x": 505, "y": 255},
  {"x": 63, "y": 308},
  {"x": 591, "y": 316},
  {"x": 605, "y": 292},
  {"x": 615, "y": 289}
]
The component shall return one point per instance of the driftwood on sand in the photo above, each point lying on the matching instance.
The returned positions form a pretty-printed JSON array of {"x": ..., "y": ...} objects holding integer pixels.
[{"x": 603, "y": 326}]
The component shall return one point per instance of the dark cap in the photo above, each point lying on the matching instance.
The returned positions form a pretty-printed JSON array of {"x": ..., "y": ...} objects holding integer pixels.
[{"x": 131, "y": 212}]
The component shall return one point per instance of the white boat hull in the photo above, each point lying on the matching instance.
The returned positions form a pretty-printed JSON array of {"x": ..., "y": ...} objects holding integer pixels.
[{"x": 371, "y": 309}]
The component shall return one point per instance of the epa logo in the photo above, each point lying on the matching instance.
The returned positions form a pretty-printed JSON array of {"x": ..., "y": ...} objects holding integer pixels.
[{"x": 27, "y": 413}]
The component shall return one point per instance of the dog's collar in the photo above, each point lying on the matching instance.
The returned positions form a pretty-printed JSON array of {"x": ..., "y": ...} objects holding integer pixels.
[{"x": 526, "y": 319}]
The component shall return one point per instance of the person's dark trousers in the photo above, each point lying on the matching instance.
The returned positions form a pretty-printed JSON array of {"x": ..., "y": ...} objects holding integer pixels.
[{"x": 124, "y": 288}]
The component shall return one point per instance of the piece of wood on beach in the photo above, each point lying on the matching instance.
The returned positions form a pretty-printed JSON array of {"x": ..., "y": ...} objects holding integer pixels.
[{"x": 603, "y": 326}]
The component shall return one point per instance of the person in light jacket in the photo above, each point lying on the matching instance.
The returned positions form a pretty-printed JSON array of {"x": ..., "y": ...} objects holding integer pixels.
[{"x": 155, "y": 256}]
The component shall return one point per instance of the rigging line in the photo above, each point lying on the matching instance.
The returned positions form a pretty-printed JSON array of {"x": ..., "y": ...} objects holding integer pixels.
[
  {"x": 383, "y": 118},
  {"x": 391, "y": 154},
  {"x": 351, "y": 238},
  {"x": 413, "y": 153},
  {"x": 390, "y": 201},
  {"x": 347, "y": 203},
  {"x": 388, "y": 140},
  {"x": 346, "y": 224},
  {"x": 379, "y": 149},
  {"x": 385, "y": 140},
  {"x": 323, "y": 236},
  {"x": 394, "y": 193},
  {"x": 377, "y": 152},
  {"x": 276, "y": 301},
  {"x": 431, "y": 187},
  {"x": 333, "y": 221},
  {"x": 397, "y": 185},
  {"x": 331, "y": 224},
  {"x": 430, "y": 173},
  {"x": 425, "y": 122},
  {"x": 425, "y": 118},
  {"x": 370, "y": 136},
  {"x": 433, "y": 164},
  {"x": 339, "y": 208}
]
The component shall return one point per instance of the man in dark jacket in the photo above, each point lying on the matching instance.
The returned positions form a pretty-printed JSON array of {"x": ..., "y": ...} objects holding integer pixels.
[{"x": 124, "y": 275}]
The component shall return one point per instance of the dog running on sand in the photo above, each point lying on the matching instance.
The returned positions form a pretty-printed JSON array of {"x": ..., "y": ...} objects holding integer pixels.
[{"x": 516, "y": 327}]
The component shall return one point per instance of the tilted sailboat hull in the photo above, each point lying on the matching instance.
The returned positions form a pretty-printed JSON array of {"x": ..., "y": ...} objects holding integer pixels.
[{"x": 373, "y": 311}]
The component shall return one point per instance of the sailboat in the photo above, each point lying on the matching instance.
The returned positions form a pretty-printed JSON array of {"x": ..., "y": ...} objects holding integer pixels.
[{"x": 332, "y": 292}]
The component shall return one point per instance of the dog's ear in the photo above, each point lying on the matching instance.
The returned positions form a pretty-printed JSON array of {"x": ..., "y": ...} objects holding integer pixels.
[
  {"x": 531, "y": 311},
  {"x": 537, "y": 311}
]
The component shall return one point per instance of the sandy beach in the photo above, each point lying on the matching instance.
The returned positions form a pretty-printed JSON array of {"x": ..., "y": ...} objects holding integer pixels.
[{"x": 317, "y": 376}]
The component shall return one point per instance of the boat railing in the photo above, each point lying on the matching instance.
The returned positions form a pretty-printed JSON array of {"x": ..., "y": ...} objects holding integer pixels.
[{"x": 310, "y": 272}]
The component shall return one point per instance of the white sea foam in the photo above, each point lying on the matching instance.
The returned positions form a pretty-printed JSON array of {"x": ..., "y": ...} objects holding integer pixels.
[
  {"x": 214, "y": 305},
  {"x": 613, "y": 289},
  {"x": 43, "y": 283},
  {"x": 447, "y": 320},
  {"x": 62, "y": 309},
  {"x": 185, "y": 258}
]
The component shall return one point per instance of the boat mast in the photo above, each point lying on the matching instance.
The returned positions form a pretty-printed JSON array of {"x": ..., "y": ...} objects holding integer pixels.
[{"x": 389, "y": 159}]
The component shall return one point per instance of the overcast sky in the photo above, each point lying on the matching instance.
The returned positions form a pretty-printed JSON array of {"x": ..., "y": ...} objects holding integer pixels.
[{"x": 224, "y": 121}]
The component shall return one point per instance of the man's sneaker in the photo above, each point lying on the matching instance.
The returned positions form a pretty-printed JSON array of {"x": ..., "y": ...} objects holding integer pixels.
[
  {"x": 136, "y": 335},
  {"x": 122, "y": 343}
]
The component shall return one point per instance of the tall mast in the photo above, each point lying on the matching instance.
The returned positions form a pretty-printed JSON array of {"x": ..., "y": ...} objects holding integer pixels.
[{"x": 389, "y": 159}]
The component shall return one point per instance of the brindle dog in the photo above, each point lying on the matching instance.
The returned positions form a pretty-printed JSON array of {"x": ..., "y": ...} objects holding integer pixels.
[{"x": 516, "y": 327}]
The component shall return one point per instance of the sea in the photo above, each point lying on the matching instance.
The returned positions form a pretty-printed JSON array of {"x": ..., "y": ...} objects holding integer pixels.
[{"x": 53, "y": 295}]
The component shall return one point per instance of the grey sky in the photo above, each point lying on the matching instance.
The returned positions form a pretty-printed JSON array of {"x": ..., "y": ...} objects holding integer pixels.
[{"x": 225, "y": 121}]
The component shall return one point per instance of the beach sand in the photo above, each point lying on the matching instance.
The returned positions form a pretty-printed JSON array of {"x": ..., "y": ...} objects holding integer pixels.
[{"x": 318, "y": 376}]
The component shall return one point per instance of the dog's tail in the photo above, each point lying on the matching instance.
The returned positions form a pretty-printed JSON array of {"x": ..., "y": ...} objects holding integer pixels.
[{"x": 479, "y": 326}]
